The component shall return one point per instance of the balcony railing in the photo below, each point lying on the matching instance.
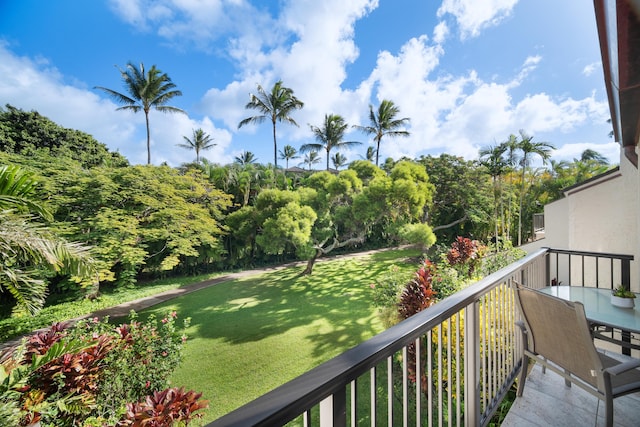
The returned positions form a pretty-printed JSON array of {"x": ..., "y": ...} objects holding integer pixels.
[{"x": 451, "y": 364}]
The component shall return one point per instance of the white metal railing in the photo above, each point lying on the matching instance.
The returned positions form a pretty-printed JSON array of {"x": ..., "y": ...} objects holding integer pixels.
[{"x": 451, "y": 364}]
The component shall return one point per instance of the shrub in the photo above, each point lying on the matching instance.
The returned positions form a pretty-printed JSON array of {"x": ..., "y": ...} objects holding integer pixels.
[
  {"x": 87, "y": 375},
  {"x": 464, "y": 255},
  {"x": 418, "y": 293},
  {"x": 385, "y": 293}
]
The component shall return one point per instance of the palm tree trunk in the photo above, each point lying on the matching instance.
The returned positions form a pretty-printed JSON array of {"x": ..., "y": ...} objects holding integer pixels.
[
  {"x": 146, "y": 116},
  {"x": 520, "y": 211},
  {"x": 495, "y": 210},
  {"x": 275, "y": 146}
]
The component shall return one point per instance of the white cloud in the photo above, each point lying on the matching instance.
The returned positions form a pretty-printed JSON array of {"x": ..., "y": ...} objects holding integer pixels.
[
  {"x": 34, "y": 85},
  {"x": 573, "y": 151},
  {"x": 440, "y": 32},
  {"x": 459, "y": 114},
  {"x": 314, "y": 65},
  {"x": 196, "y": 21},
  {"x": 591, "y": 68},
  {"x": 473, "y": 16}
]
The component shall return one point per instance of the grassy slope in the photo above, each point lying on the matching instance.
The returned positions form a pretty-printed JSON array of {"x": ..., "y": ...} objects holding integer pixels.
[{"x": 251, "y": 335}]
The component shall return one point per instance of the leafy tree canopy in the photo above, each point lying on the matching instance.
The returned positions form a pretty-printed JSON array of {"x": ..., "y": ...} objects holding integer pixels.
[{"x": 27, "y": 133}]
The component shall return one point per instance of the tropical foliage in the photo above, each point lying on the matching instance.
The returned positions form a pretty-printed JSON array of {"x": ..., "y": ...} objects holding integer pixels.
[
  {"x": 200, "y": 141},
  {"x": 383, "y": 122},
  {"x": 28, "y": 133},
  {"x": 97, "y": 374},
  {"x": 277, "y": 106},
  {"x": 150, "y": 222},
  {"x": 28, "y": 248},
  {"x": 329, "y": 136},
  {"x": 146, "y": 90}
]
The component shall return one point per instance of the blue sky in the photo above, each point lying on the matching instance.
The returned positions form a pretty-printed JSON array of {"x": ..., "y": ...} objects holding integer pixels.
[{"x": 466, "y": 72}]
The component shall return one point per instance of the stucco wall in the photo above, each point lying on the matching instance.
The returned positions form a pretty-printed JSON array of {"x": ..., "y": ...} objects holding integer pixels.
[{"x": 602, "y": 216}]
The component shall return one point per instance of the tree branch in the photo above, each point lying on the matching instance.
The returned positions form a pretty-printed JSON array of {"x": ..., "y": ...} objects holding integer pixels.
[{"x": 456, "y": 222}]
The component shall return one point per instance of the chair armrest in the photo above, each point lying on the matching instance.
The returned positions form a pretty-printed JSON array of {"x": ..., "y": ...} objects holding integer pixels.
[{"x": 623, "y": 367}]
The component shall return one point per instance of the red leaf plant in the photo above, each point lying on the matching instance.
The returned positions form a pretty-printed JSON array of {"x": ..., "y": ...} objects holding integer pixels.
[
  {"x": 164, "y": 408},
  {"x": 417, "y": 296}
]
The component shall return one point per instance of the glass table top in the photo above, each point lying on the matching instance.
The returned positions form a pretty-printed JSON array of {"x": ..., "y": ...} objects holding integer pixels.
[{"x": 598, "y": 307}]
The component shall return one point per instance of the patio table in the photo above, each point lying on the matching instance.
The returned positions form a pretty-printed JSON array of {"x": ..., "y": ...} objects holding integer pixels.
[{"x": 600, "y": 312}]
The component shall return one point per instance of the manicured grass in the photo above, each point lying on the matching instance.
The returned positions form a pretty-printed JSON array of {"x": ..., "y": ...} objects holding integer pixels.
[
  {"x": 11, "y": 327},
  {"x": 251, "y": 335}
]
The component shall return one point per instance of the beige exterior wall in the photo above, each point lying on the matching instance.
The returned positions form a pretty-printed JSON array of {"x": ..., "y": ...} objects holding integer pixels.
[{"x": 600, "y": 216}]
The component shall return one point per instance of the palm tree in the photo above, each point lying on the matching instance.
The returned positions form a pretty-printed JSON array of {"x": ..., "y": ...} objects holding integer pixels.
[
  {"x": 153, "y": 89},
  {"x": 288, "y": 153},
  {"x": 338, "y": 160},
  {"x": 528, "y": 148},
  {"x": 384, "y": 123},
  {"x": 199, "y": 142},
  {"x": 512, "y": 162},
  {"x": 370, "y": 155},
  {"x": 245, "y": 158},
  {"x": 592, "y": 155},
  {"x": 27, "y": 247},
  {"x": 492, "y": 159},
  {"x": 311, "y": 159},
  {"x": 329, "y": 136},
  {"x": 277, "y": 106}
]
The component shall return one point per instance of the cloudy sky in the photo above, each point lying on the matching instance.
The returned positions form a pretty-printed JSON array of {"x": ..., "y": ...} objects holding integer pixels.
[{"x": 468, "y": 73}]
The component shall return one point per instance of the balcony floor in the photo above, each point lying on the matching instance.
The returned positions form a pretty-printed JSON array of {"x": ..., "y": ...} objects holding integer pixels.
[{"x": 546, "y": 401}]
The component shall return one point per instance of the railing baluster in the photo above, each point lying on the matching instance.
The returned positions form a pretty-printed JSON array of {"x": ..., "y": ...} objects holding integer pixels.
[
  {"x": 405, "y": 388},
  {"x": 354, "y": 402},
  {"x": 390, "y": 390},
  {"x": 419, "y": 370},
  {"x": 374, "y": 394},
  {"x": 440, "y": 369},
  {"x": 430, "y": 378},
  {"x": 472, "y": 367},
  {"x": 458, "y": 367}
]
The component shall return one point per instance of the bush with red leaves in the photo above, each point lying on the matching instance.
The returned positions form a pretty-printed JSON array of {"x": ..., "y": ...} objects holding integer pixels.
[
  {"x": 417, "y": 296},
  {"x": 418, "y": 293},
  {"x": 65, "y": 376},
  {"x": 464, "y": 253},
  {"x": 164, "y": 408}
]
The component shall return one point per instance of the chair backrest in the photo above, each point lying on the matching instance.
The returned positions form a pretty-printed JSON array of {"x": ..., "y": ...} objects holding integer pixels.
[{"x": 559, "y": 331}]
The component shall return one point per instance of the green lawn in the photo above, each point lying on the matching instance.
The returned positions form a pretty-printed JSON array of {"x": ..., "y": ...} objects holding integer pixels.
[{"x": 251, "y": 335}]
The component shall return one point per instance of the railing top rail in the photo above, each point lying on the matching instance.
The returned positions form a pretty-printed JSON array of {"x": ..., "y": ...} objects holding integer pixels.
[
  {"x": 293, "y": 398},
  {"x": 593, "y": 254}
]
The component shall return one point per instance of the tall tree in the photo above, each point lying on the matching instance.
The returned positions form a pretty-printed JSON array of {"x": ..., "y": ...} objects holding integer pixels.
[
  {"x": 245, "y": 158},
  {"x": 147, "y": 90},
  {"x": 329, "y": 136},
  {"x": 513, "y": 160},
  {"x": 384, "y": 123},
  {"x": 200, "y": 141},
  {"x": 276, "y": 105},
  {"x": 491, "y": 158},
  {"x": 593, "y": 155},
  {"x": 311, "y": 159},
  {"x": 528, "y": 148},
  {"x": 370, "y": 154},
  {"x": 288, "y": 153},
  {"x": 27, "y": 247},
  {"x": 338, "y": 160}
]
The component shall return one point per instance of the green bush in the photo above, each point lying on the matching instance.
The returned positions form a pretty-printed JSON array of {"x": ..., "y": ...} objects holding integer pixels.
[{"x": 97, "y": 374}]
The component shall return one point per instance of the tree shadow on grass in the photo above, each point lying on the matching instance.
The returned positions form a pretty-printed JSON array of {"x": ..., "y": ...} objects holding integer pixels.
[{"x": 332, "y": 306}]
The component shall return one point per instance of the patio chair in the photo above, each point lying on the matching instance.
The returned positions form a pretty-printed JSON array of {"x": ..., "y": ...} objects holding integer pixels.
[{"x": 556, "y": 334}]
